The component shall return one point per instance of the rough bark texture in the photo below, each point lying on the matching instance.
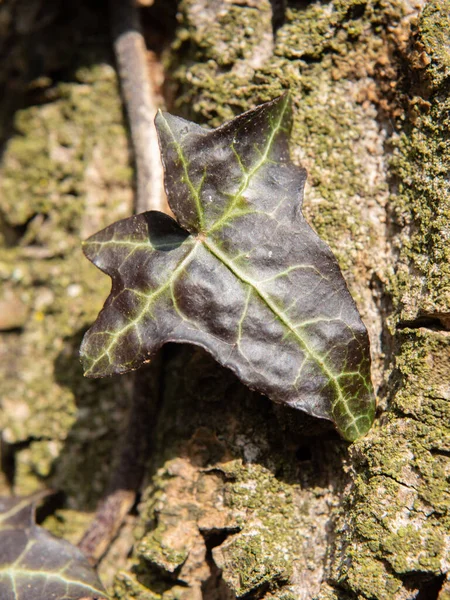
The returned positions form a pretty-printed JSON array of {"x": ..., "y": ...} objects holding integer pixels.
[{"x": 243, "y": 499}]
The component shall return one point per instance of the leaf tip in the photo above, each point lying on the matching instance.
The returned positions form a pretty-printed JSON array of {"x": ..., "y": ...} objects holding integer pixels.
[{"x": 360, "y": 425}]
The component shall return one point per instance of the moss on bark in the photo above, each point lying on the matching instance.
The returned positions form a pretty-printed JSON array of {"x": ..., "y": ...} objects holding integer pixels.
[{"x": 245, "y": 499}]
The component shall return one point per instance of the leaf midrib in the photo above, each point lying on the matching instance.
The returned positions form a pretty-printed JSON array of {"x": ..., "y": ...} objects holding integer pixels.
[
  {"x": 194, "y": 191},
  {"x": 215, "y": 251}
]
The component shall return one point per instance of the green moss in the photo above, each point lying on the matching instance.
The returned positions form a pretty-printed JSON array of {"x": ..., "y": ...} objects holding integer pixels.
[
  {"x": 68, "y": 524},
  {"x": 327, "y": 592},
  {"x": 154, "y": 549},
  {"x": 222, "y": 41},
  {"x": 262, "y": 554},
  {"x": 432, "y": 39},
  {"x": 44, "y": 167},
  {"x": 35, "y": 464},
  {"x": 127, "y": 588},
  {"x": 371, "y": 579},
  {"x": 254, "y": 561}
]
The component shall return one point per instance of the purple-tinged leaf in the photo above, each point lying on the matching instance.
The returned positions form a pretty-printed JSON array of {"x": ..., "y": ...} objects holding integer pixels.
[
  {"x": 35, "y": 565},
  {"x": 240, "y": 274}
]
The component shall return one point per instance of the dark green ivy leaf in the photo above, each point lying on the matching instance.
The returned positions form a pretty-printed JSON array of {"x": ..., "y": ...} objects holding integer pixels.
[
  {"x": 35, "y": 565},
  {"x": 240, "y": 274}
]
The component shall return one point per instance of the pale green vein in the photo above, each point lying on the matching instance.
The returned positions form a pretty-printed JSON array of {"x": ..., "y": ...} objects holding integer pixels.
[
  {"x": 146, "y": 245},
  {"x": 14, "y": 589},
  {"x": 249, "y": 174},
  {"x": 195, "y": 192},
  {"x": 13, "y": 573},
  {"x": 149, "y": 299},
  {"x": 23, "y": 554},
  {"x": 332, "y": 377},
  {"x": 114, "y": 243},
  {"x": 289, "y": 270},
  {"x": 299, "y": 372},
  {"x": 317, "y": 320}
]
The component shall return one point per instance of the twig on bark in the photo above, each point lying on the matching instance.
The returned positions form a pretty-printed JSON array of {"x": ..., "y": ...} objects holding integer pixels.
[{"x": 139, "y": 99}]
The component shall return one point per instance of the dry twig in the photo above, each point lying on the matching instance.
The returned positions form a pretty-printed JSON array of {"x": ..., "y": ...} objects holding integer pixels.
[{"x": 141, "y": 106}]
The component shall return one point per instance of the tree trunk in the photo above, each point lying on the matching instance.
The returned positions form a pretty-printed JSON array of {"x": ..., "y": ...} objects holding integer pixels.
[{"x": 242, "y": 498}]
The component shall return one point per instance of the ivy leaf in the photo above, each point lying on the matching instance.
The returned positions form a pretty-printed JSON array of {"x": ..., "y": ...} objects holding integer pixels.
[
  {"x": 241, "y": 274},
  {"x": 35, "y": 565}
]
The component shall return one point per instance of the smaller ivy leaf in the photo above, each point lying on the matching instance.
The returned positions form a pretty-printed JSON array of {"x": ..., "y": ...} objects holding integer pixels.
[
  {"x": 241, "y": 274},
  {"x": 35, "y": 565}
]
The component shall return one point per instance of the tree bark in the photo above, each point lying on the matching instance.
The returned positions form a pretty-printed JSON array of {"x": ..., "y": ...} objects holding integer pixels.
[{"x": 245, "y": 499}]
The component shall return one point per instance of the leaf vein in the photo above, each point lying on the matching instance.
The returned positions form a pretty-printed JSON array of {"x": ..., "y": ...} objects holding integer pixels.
[{"x": 332, "y": 377}]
